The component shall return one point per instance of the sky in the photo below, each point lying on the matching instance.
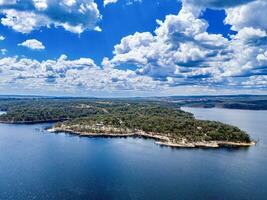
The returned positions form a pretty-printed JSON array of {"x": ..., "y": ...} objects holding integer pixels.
[{"x": 115, "y": 48}]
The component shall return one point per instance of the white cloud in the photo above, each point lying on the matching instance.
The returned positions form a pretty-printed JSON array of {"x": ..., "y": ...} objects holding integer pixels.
[
  {"x": 23, "y": 22},
  {"x": 182, "y": 52},
  {"x": 128, "y": 2},
  {"x": 84, "y": 77},
  {"x": 98, "y": 29},
  {"x": 249, "y": 15},
  {"x": 239, "y": 13},
  {"x": 73, "y": 15},
  {"x": 32, "y": 44},
  {"x": 2, "y": 38},
  {"x": 180, "y": 55},
  {"x": 106, "y": 2},
  {"x": 262, "y": 57},
  {"x": 40, "y": 4},
  {"x": 66, "y": 75},
  {"x": 256, "y": 82},
  {"x": 248, "y": 33},
  {"x": 69, "y": 2},
  {"x": 181, "y": 42}
]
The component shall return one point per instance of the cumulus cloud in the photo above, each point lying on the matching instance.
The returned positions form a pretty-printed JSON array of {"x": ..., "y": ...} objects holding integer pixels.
[
  {"x": 182, "y": 52},
  {"x": 2, "y": 38},
  {"x": 32, "y": 44},
  {"x": 73, "y": 15},
  {"x": 249, "y": 15},
  {"x": 179, "y": 45},
  {"x": 64, "y": 74}
]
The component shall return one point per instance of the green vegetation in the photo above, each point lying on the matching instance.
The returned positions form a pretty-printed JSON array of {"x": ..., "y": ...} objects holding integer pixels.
[
  {"x": 45, "y": 110},
  {"x": 119, "y": 116},
  {"x": 165, "y": 121}
]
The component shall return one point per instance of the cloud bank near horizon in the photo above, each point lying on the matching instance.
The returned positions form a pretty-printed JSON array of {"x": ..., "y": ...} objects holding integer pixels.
[{"x": 180, "y": 54}]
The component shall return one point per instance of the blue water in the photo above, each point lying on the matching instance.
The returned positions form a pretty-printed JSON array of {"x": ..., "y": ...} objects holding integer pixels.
[{"x": 35, "y": 164}]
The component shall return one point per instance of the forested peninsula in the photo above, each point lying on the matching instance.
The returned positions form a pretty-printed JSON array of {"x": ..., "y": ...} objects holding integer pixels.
[{"x": 162, "y": 121}]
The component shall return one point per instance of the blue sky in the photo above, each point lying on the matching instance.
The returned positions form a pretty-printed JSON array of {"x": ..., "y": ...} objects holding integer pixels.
[
  {"x": 119, "y": 20},
  {"x": 133, "y": 47}
]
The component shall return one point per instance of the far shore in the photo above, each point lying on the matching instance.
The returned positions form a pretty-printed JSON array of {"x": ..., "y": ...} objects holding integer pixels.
[{"x": 159, "y": 139}]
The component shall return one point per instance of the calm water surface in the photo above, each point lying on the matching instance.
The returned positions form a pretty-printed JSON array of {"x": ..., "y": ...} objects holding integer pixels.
[{"x": 35, "y": 164}]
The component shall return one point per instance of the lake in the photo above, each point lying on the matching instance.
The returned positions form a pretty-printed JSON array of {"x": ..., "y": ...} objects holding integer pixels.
[{"x": 35, "y": 164}]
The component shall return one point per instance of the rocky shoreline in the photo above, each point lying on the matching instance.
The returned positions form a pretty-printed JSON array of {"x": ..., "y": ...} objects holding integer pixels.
[{"x": 159, "y": 139}]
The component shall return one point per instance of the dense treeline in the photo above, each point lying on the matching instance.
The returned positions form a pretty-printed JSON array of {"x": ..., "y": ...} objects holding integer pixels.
[
  {"x": 57, "y": 109},
  {"x": 43, "y": 110},
  {"x": 159, "y": 117},
  {"x": 167, "y": 121}
]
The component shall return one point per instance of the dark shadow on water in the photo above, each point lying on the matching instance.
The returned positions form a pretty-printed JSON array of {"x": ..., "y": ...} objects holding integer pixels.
[{"x": 223, "y": 149}]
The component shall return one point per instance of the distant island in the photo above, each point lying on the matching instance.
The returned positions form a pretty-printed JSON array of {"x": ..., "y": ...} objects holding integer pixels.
[{"x": 159, "y": 120}]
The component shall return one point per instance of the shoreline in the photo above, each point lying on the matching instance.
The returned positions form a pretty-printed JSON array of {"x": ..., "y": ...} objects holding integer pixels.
[{"x": 159, "y": 139}]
